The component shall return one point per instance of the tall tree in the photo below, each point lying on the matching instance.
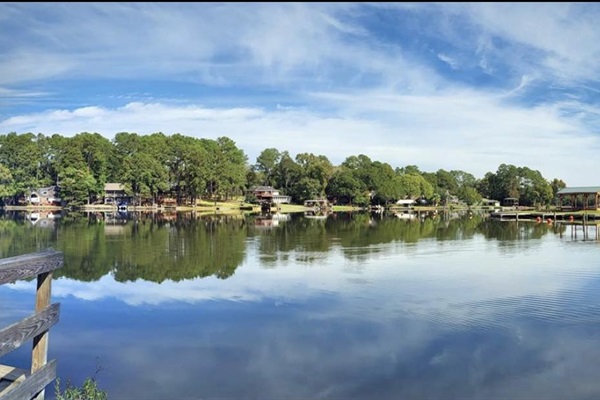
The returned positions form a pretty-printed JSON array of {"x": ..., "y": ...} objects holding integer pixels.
[
  {"x": 76, "y": 185},
  {"x": 6, "y": 182},
  {"x": 22, "y": 155},
  {"x": 287, "y": 173},
  {"x": 266, "y": 163},
  {"x": 346, "y": 188}
]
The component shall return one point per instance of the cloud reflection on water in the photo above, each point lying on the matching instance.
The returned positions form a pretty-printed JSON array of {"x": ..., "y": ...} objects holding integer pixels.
[{"x": 455, "y": 319}]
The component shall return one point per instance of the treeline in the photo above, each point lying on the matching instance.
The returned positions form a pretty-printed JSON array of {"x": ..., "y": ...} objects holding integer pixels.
[
  {"x": 152, "y": 167},
  {"x": 362, "y": 181}
]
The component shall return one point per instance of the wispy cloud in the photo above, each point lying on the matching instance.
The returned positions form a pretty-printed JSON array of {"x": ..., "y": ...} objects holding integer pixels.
[
  {"x": 454, "y": 86},
  {"x": 463, "y": 130}
]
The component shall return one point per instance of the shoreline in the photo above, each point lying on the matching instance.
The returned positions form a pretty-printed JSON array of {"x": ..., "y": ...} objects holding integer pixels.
[
  {"x": 229, "y": 208},
  {"x": 216, "y": 209}
]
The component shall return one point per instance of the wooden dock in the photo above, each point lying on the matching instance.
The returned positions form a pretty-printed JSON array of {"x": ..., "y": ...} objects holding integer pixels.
[
  {"x": 17, "y": 383},
  {"x": 545, "y": 216}
]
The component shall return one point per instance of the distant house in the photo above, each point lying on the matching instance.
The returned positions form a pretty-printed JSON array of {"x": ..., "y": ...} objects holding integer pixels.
[
  {"x": 490, "y": 203},
  {"x": 406, "y": 202},
  {"x": 267, "y": 194},
  {"x": 510, "y": 202},
  {"x": 579, "y": 198},
  {"x": 114, "y": 193},
  {"x": 47, "y": 196}
]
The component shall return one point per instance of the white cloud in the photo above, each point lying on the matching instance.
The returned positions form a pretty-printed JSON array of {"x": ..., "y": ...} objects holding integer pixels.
[
  {"x": 210, "y": 43},
  {"x": 270, "y": 43},
  {"x": 465, "y": 295},
  {"x": 356, "y": 85},
  {"x": 462, "y": 129},
  {"x": 448, "y": 60}
]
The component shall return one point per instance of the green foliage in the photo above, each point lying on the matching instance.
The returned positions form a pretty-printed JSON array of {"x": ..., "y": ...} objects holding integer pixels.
[
  {"x": 155, "y": 166},
  {"x": 528, "y": 185},
  {"x": 266, "y": 163},
  {"x": 6, "y": 181},
  {"x": 413, "y": 186},
  {"x": 344, "y": 186},
  {"x": 88, "y": 391},
  {"x": 314, "y": 174},
  {"x": 231, "y": 173},
  {"x": 556, "y": 185},
  {"x": 76, "y": 185},
  {"x": 22, "y": 155},
  {"x": 287, "y": 172},
  {"x": 469, "y": 195}
]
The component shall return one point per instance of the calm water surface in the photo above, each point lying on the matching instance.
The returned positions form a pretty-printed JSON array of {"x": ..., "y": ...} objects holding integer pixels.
[{"x": 353, "y": 306}]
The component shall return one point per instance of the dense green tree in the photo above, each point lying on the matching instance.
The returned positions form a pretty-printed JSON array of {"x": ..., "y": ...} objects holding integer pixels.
[
  {"x": 534, "y": 189},
  {"x": 76, "y": 185},
  {"x": 143, "y": 177},
  {"x": 189, "y": 167},
  {"x": 315, "y": 172},
  {"x": 266, "y": 163},
  {"x": 231, "y": 173},
  {"x": 415, "y": 186},
  {"x": 362, "y": 169},
  {"x": 346, "y": 188},
  {"x": 6, "y": 182},
  {"x": 387, "y": 187},
  {"x": 409, "y": 169},
  {"x": 254, "y": 178},
  {"x": 22, "y": 155},
  {"x": 523, "y": 183},
  {"x": 51, "y": 148},
  {"x": 96, "y": 152},
  {"x": 446, "y": 181},
  {"x": 469, "y": 195},
  {"x": 508, "y": 177},
  {"x": 287, "y": 173}
]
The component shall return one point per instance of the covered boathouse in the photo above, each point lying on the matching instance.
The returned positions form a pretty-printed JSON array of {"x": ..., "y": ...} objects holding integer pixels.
[{"x": 579, "y": 198}]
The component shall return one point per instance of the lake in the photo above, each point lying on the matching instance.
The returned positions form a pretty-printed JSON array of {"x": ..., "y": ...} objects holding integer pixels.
[{"x": 349, "y": 306}]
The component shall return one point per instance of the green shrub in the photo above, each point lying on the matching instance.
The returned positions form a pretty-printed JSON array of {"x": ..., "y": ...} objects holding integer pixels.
[{"x": 88, "y": 391}]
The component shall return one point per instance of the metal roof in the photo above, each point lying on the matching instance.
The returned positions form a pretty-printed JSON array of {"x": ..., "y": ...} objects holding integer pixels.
[
  {"x": 580, "y": 190},
  {"x": 262, "y": 189},
  {"x": 113, "y": 186}
]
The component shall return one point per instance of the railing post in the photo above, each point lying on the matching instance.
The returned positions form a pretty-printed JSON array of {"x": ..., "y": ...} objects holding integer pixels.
[{"x": 39, "y": 355}]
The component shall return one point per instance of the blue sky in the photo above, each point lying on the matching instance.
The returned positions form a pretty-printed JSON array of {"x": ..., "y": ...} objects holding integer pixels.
[{"x": 455, "y": 86}]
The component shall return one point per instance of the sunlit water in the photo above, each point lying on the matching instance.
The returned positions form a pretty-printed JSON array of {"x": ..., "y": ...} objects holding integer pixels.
[{"x": 348, "y": 307}]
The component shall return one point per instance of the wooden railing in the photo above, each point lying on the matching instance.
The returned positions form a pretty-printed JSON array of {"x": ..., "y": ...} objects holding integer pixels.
[{"x": 18, "y": 383}]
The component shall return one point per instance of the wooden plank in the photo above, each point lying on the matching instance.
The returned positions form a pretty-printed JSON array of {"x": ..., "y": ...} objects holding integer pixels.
[
  {"x": 4, "y": 384},
  {"x": 29, "y": 265},
  {"x": 12, "y": 373},
  {"x": 15, "y": 335},
  {"x": 32, "y": 385},
  {"x": 10, "y": 377}
]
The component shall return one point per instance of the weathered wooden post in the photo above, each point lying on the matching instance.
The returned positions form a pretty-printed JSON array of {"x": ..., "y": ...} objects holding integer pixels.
[
  {"x": 20, "y": 384},
  {"x": 39, "y": 354}
]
